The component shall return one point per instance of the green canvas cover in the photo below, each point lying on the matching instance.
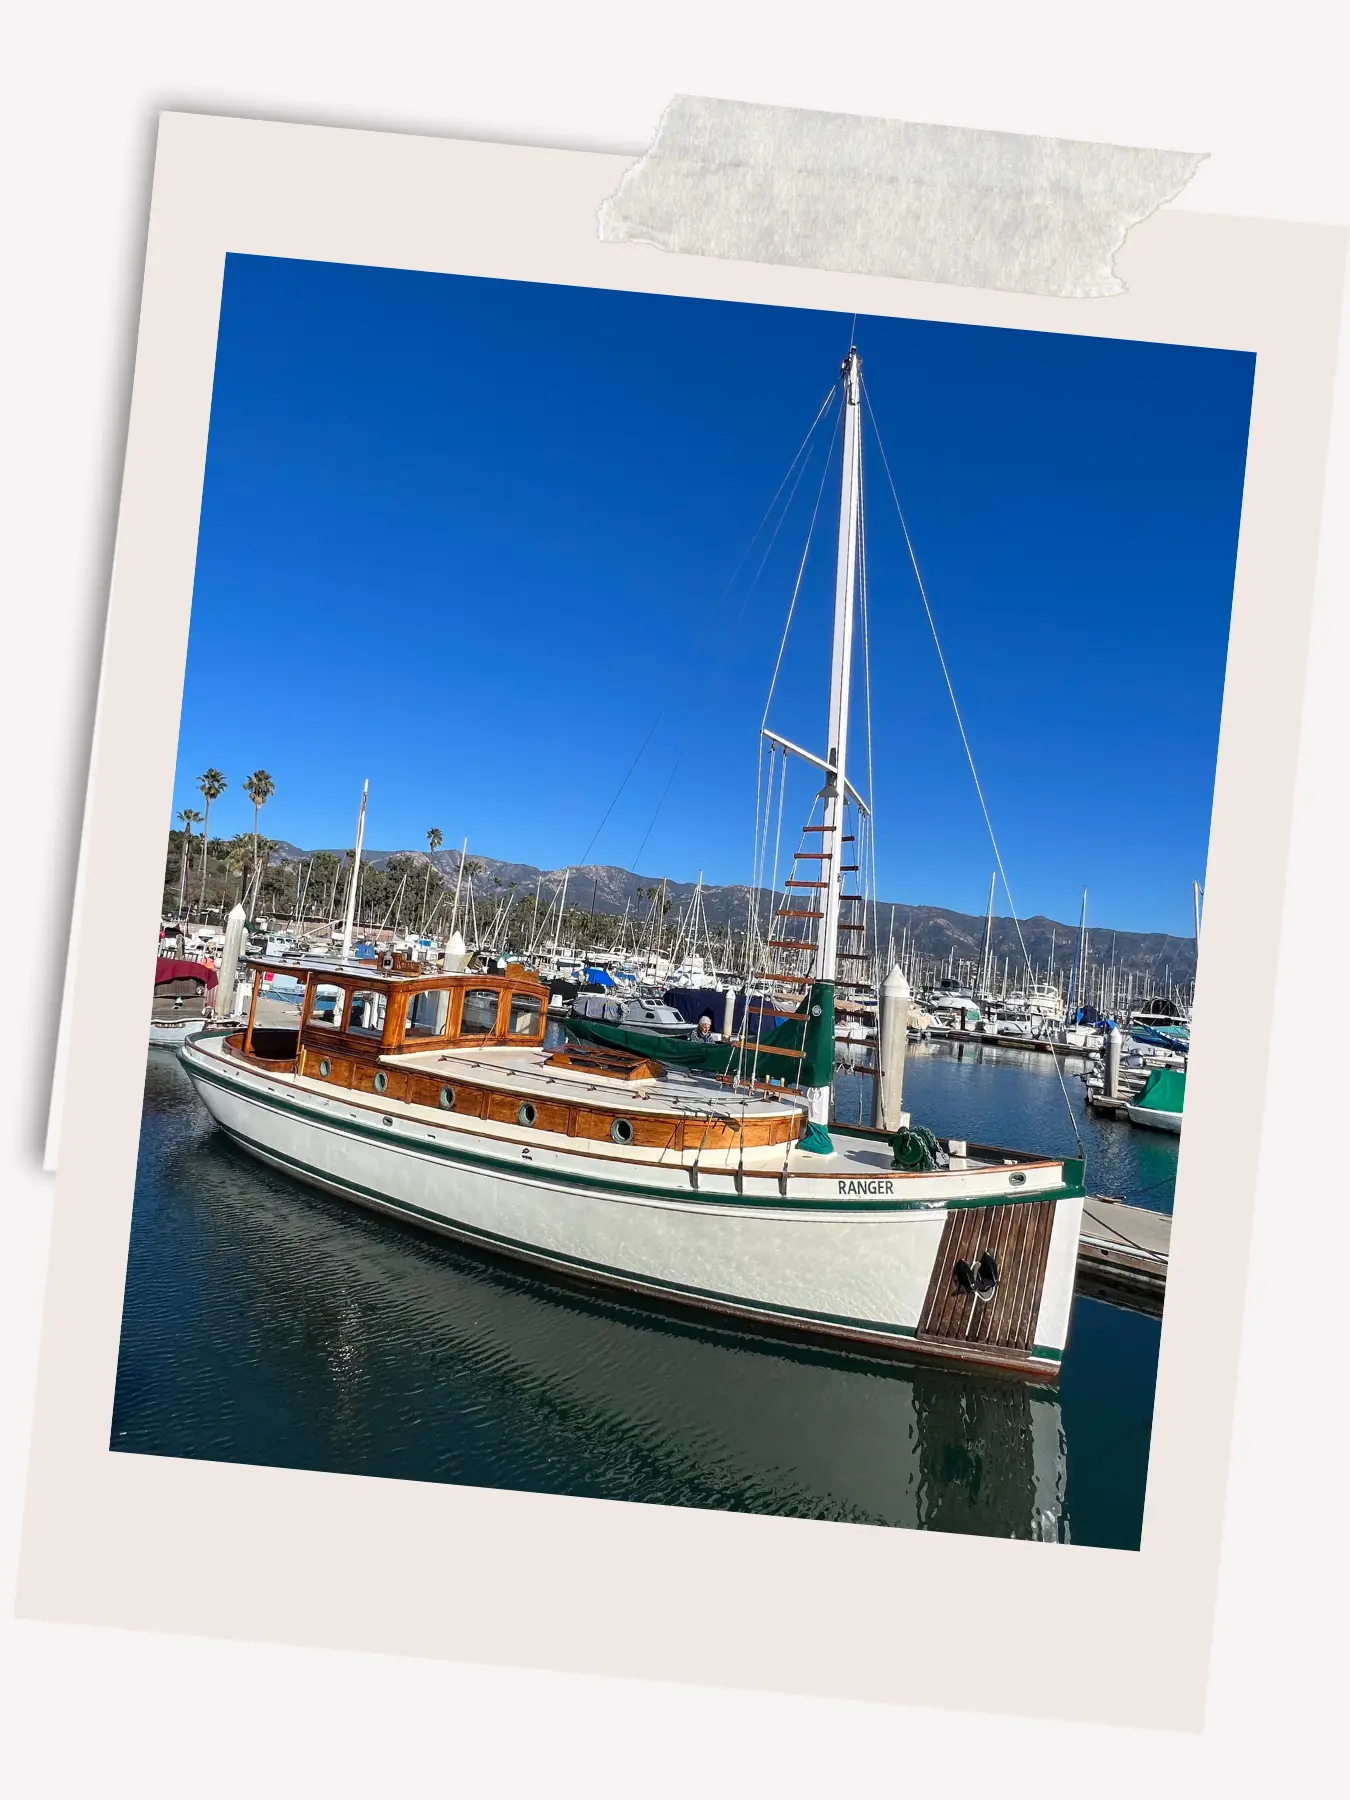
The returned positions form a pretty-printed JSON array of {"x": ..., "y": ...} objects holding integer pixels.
[
  {"x": 754, "y": 1061},
  {"x": 1164, "y": 1091}
]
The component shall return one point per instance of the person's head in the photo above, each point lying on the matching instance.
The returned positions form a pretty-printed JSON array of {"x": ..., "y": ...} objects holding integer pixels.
[{"x": 704, "y": 1026}]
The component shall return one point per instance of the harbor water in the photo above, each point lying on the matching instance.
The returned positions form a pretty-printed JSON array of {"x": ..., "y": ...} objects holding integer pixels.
[{"x": 267, "y": 1323}]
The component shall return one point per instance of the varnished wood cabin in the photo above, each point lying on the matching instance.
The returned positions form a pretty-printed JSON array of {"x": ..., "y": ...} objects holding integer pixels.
[{"x": 472, "y": 1045}]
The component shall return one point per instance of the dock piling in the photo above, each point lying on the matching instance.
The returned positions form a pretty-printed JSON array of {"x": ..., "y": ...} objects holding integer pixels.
[
  {"x": 892, "y": 1042},
  {"x": 1112, "y": 1063}
]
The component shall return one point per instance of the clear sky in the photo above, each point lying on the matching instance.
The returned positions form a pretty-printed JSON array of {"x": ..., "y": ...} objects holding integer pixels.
[{"x": 474, "y": 539}]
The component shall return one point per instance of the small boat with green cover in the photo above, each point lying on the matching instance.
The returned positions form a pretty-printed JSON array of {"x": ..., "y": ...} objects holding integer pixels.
[{"x": 1159, "y": 1102}]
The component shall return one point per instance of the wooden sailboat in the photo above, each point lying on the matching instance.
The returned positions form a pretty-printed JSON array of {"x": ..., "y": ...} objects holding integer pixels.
[{"x": 718, "y": 1187}]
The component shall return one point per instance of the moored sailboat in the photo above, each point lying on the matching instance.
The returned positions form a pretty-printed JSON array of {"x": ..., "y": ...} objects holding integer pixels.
[{"x": 708, "y": 1176}]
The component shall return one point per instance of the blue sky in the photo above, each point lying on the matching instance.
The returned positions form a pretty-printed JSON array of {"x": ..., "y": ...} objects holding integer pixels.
[{"x": 476, "y": 540}]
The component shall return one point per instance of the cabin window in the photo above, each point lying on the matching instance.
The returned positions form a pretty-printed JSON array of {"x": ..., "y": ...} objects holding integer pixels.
[
  {"x": 428, "y": 1013},
  {"x": 326, "y": 1006},
  {"x": 367, "y": 1013},
  {"x": 479, "y": 1012},
  {"x": 280, "y": 1001},
  {"x": 526, "y": 1010}
]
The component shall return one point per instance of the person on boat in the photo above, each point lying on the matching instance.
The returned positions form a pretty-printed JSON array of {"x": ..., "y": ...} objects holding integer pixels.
[{"x": 705, "y": 1033}]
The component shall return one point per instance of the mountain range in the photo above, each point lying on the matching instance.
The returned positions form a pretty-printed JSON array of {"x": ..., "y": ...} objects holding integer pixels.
[{"x": 934, "y": 931}]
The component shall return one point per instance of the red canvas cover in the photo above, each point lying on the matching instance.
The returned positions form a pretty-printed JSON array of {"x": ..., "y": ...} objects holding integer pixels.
[{"x": 171, "y": 968}]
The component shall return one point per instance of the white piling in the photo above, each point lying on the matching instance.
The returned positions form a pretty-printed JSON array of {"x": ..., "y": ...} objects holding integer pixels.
[
  {"x": 1113, "y": 1038},
  {"x": 227, "y": 969},
  {"x": 892, "y": 1042},
  {"x": 729, "y": 1014}
]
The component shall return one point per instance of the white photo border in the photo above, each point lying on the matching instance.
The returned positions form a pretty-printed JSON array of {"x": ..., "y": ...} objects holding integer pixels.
[{"x": 612, "y": 1587}]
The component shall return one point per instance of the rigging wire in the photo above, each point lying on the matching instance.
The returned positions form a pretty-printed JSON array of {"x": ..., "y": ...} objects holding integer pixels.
[
  {"x": 714, "y": 618},
  {"x": 965, "y": 741},
  {"x": 801, "y": 571},
  {"x": 651, "y": 823}
]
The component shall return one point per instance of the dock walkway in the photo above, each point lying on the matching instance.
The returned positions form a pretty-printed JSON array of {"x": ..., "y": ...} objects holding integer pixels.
[{"x": 1122, "y": 1254}]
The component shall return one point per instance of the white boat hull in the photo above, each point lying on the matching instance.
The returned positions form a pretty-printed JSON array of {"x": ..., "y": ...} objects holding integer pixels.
[
  {"x": 170, "y": 1034},
  {"x": 1155, "y": 1120},
  {"x": 855, "y": 1261}
]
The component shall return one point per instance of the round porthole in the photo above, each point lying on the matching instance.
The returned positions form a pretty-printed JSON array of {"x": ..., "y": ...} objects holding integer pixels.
[
  {"x": 526, "y": 1115},
  {"x": 448, "y": 1099},
  {"x": 381, "y": 1082},
  {"x": 325, "y": 1067},
  {"x": 622, "y": 1131},
  {"x": 1017, "y": 1180}
]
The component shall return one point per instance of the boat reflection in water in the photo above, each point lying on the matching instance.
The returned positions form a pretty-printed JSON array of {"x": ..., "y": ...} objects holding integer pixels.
[{"x": 265, "y": 1323}]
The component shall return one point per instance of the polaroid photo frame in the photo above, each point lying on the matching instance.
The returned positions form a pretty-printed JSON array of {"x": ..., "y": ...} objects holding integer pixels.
[{"x": 609, "y": 1587}]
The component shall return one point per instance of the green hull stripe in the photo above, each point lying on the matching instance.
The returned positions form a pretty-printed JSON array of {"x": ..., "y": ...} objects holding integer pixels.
[
  {"x": 560, "y": 1258},
  {"x": 607, "y": 1184}
]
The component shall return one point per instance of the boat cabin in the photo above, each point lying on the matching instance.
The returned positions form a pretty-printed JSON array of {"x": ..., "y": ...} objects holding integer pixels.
[
  {"x": 398, "y": 1036},
  {"x": 319, "y": 1013}
]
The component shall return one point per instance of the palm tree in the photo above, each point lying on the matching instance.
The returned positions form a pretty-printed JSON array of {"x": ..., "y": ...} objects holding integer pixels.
[
  {"x": 187, "y": 818},
  {"x": 434, "y": 842},
  {"x": 260, "y": 788},
  {"x": 237, "y": 860},
  {"x": 211, "y": 784}
]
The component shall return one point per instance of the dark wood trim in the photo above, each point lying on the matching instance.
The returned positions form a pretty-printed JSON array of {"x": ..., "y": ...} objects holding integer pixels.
[
  {"x": 1018, "y": 1236},
  {"x": 252, "y": 1009}
]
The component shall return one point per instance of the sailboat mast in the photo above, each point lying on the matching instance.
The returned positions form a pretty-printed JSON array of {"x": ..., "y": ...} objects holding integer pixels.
[
  {"x": 841, "y": 666},
  {"x": 350, "y": 920},
  {"x": 986, "y": 954}
]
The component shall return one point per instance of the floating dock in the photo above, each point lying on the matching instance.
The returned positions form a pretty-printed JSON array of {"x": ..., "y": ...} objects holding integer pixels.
[
  {"x": 1109, "y": 1107},
  {"x": 1122, "y": 1254},
  {"x": 988, "y": 1040}
]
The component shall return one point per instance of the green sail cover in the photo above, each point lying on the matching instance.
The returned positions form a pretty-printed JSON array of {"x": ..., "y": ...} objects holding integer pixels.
[
  {"x": 1164, "y": 1091},
  {"x": 754, "y": 1060}
]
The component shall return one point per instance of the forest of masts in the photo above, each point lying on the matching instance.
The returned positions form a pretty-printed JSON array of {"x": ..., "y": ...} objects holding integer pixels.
[{"x": 408, "y": 894}]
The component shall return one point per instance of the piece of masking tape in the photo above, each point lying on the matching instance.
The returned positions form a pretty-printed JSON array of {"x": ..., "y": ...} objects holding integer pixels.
[{"x": 989, "y": 209}]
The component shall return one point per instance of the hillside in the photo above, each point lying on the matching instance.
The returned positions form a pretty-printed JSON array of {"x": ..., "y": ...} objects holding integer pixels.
[{"x": 934, "y": 931}]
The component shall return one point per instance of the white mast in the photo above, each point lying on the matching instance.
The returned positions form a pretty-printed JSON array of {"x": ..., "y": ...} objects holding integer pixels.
[
  {"x": 841, "y": 668},
  {"x": 562, "y": 903},
  {"x": 841, "y": 665},
  {"x": 987, "y": 953},
  {"x": 356, "y": 876},
  {"x": 454, "y": 910}
]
